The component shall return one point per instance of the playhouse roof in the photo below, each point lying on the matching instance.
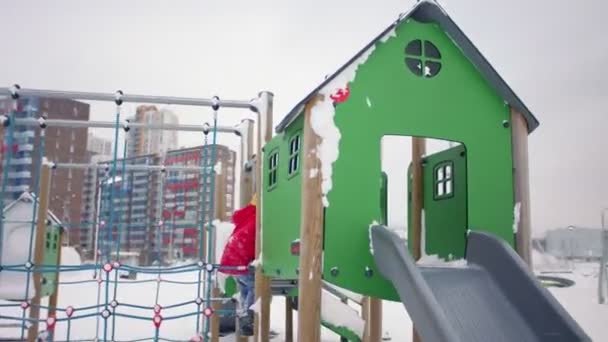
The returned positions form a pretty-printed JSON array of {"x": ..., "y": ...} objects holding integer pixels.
[
  {"x": 28, "y": 197},
  {"x": 431, "y": 11}
]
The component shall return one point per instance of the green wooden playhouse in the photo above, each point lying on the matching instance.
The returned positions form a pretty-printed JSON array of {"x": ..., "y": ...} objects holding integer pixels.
[
  {"x": 17, "y": 232},
  {"x": 421, "y": 77}
]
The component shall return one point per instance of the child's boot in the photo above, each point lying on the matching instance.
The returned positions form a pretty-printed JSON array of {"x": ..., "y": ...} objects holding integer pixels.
[{"x": 246, "y": 324}]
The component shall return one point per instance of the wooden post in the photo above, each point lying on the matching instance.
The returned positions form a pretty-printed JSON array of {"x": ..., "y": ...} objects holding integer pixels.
[
  {"x": 262, "y": 283},
  {"x": 288, "y": 319},
  {"x": 375, "y": 319},
  {"x": 418, "y": 151},
  {"x": 41, "y": 226},
  {"x": 311, "y": 236},
  {"x": 365, "y": 317},
  {"x": 345, "y": 302},
  {"x": 55, "y": 296},
  {"x": 246, "y": 183},
  {"x": 521, "y": 184},
  {"x": 220, "y": 214}
]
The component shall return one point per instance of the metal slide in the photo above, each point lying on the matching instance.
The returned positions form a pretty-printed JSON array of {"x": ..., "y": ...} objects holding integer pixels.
[{"x": 493, "y": 298}]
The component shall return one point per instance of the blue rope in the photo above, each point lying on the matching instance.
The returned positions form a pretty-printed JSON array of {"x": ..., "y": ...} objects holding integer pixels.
[{"x": 206, "y": 226}]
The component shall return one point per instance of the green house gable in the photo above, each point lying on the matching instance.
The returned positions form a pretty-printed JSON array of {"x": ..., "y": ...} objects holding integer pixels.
[{"x": 423, "y": 78}]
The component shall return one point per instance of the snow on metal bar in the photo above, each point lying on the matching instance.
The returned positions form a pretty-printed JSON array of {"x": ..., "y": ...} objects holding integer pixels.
[
  {"x": 111, "y": 97},
  {"x": 160, "y": 168},
  {"x": 109, "y": 124}
]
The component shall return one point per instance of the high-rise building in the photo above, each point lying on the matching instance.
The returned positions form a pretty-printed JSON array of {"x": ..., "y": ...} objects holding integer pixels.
[
  {"x": 184, "y": 193},
  {"x": 98, "y": 149},
  {"x": 144, "y": 141},
  {"x": 67, "y": 145},
  {"x": 99, "y": 146},
  {"x": 155, "y": 214},
  {"x": 133, "y": 212},
  {"x": 88, "y": 218}
]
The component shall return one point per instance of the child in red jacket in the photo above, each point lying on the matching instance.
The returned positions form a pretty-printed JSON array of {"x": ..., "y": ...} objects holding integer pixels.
[{"x": 240, "y": 251}]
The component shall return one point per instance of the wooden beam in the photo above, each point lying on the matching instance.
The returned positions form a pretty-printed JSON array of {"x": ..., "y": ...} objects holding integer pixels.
[
  {"x": 365, "y": 317},
  {"x": 311, "y": 236},
  {"x": 288, "y": 319},
  {"x": 375, "y": 319},
  {"x": 220, "y": 214},
  {"x": 55, "y": 295},
  {"x": 262, "y": 283},
  {"x": 521, "y": 184},
  {"x": 41, "y": 226},
  {"x": 345, "y": 302},
  {"x": 418, "y": 151}
]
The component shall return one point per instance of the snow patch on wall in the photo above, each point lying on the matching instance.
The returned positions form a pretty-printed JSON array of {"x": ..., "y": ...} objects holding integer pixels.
[
  {"x": 390, "y": 34},
  {"x": 47, "y": 162},
  {"x": 257, "y": 306},
  {"x": 322, "y": 123},
  {"x": 371, "y": 241},
  {"x": 338, "y": 314},
  {"x": 314, "y": 173},
  {"x": 223, "y": 231},
  {"x": 218, "y": 168},
  {"x": 516, "y": 217}
]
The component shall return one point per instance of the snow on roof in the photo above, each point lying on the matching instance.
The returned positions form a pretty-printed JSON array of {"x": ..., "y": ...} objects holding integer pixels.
[
  {"x": 29, "y": 197},
  {"x": 428, "y": 11}
]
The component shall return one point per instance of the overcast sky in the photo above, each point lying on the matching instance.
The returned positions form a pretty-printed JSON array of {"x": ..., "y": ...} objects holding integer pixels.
[{"x": 554, "y": 54}]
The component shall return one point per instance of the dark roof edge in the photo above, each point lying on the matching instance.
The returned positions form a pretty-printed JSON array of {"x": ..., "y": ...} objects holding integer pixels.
[
  {"x": 429, "y": 10},
  {"x": 434, "y": 12}
]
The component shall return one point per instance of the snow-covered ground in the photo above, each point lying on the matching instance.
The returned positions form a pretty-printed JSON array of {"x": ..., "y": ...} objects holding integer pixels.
[{"x": 580, "y": 301}]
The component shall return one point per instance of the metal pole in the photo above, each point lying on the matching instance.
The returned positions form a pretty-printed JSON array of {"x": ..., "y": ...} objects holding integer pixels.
[
  {"x": 571, "y": 229},
  {"x": 99, "y": 189},
  {"x": 160, "y": 168},
  {"x": 77, "y": 95},
  {"x": 246, "y": 166},
  {"x": 108, "y": 124}
]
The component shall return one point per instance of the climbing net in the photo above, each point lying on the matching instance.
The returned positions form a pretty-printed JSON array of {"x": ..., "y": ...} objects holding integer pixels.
[{"x": 109, "y": 309}]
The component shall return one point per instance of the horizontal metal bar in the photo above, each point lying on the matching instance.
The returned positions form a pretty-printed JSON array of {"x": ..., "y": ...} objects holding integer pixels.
[
  {"x": 109, "y": 124},
  {"x": 77, "y": 95},
  {"x": 129, "y": 167}
]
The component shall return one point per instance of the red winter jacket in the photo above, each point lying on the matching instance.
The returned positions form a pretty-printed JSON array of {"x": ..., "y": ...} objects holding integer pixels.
[{"x": 240, "y": 248}]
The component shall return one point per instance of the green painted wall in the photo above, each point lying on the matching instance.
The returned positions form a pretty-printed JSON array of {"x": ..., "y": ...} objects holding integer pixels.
[
  {"x": 281, "y": 207},
  {"x": 51, "y": 247},
  {"x": 386, "y": 98},
  {"x": 445, "y": 216}
]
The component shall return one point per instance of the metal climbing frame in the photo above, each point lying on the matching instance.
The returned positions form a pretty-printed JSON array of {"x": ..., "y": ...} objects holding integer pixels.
[{"x": 262, "y": 105}]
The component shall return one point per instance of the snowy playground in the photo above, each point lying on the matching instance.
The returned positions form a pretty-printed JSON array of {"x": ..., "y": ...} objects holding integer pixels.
[
  {"x": 580, "y": 300},
  {"x": 392, "y": 202}
]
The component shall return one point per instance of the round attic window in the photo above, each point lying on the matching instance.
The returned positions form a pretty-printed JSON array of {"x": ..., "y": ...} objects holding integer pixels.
[{"x": 423, "y": 58}]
